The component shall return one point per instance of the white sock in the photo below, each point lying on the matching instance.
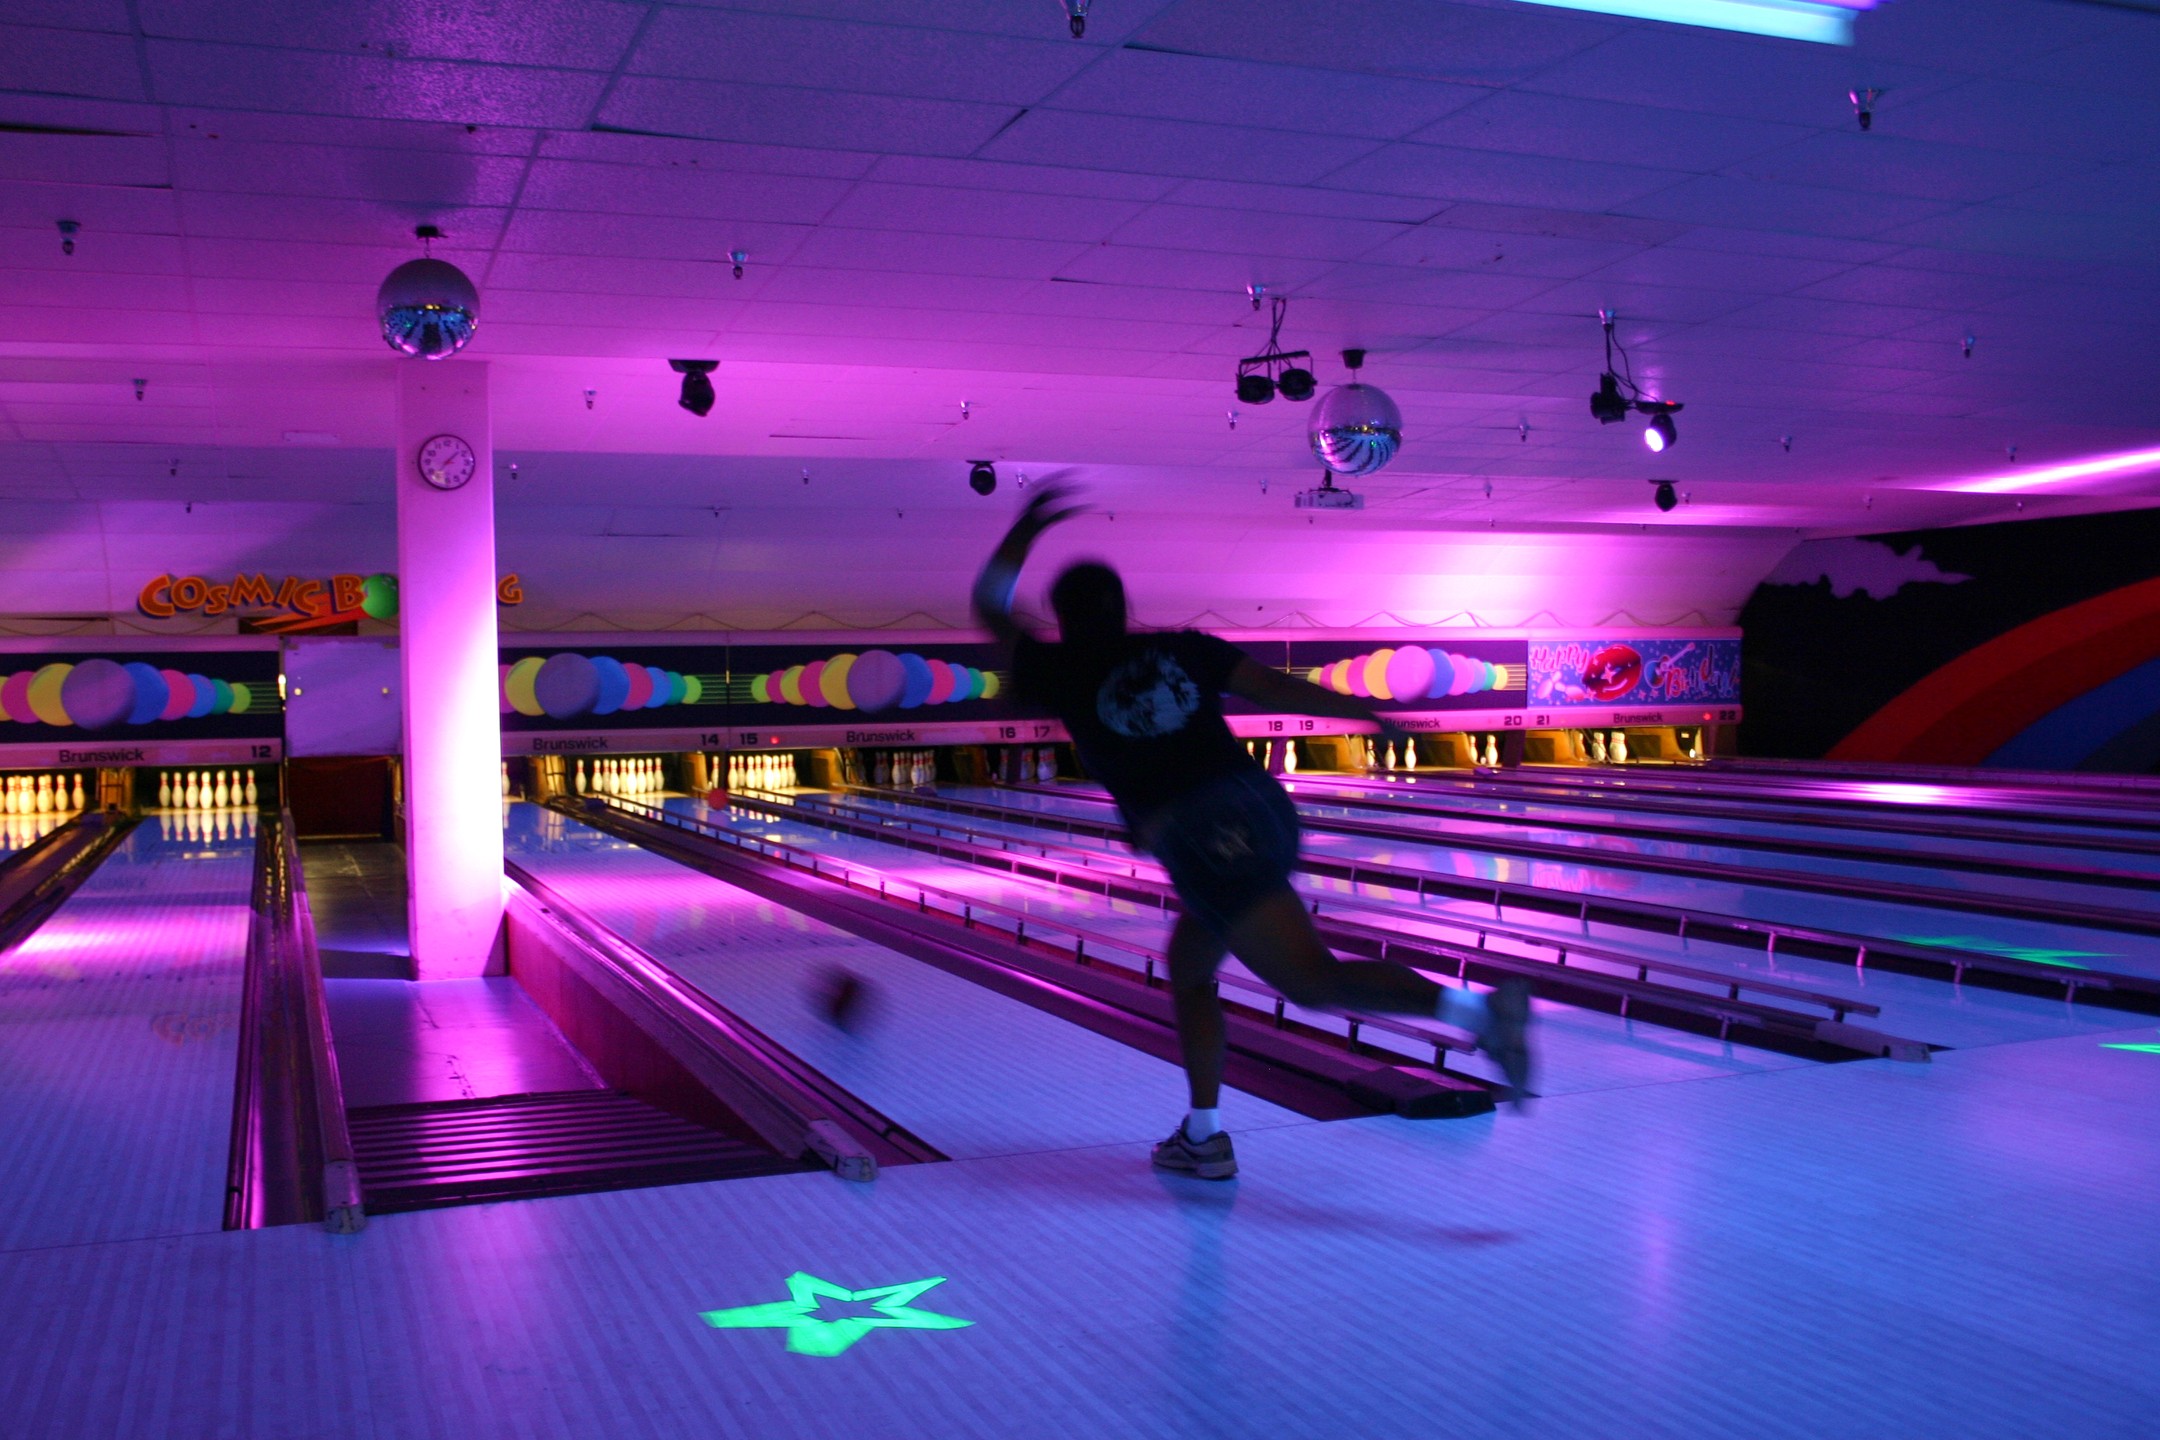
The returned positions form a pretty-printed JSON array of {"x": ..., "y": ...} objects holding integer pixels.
[
  {"x": 1199, "y": 1124},
  {"x": 1462, "y": 1008}
]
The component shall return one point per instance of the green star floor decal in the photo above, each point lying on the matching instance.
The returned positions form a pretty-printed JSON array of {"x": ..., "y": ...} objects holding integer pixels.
[{"x": 808, "y": 1335}]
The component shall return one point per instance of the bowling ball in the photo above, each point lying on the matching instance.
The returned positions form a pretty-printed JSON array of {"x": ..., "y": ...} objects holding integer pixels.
[
  {"x": 843, "y": 998},
  {"x": 97, "y": 694},
  {"x": 379, "y": 597}
]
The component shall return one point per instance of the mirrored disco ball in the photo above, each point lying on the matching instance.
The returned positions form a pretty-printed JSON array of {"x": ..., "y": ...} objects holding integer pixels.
[
  {"x": 428, "y": 309},
  {"x": 1355, "y": 430}
]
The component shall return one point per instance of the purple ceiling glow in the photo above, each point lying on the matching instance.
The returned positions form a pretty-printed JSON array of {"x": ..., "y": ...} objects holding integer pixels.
[{"x": 964, "y": 204}]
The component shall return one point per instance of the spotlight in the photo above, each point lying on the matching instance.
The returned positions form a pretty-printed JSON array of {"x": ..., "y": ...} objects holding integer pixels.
[
  {"x": 1274, "y": 371},
  {"x": 1659, "y": 434},
  {"x": 982, "y": 477},
  {"x": 1664, "y": 496},
  {"x": 697, "y": 391},
  {"x": 1606, "y": 404}
]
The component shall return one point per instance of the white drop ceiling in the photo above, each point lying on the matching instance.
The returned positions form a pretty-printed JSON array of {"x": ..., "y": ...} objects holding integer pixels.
[{"x": 952, "y": 200}]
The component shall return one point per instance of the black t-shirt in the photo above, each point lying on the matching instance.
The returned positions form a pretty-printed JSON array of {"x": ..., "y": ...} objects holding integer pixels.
[{"x": 1144, "y": 710}]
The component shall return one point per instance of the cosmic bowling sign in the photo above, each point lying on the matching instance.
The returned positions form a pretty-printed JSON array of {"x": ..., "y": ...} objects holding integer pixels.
[{"x": 295, "y": 605}]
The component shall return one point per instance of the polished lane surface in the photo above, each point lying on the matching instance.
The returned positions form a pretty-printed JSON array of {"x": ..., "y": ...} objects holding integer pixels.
[{"x": 119, "y": 1021}]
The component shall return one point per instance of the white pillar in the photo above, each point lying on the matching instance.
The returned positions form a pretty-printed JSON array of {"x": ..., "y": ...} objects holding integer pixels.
[{"x": 446, "y": 622}]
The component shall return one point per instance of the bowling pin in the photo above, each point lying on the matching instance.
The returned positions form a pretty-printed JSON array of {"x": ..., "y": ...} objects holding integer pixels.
[
  {"x": 79, "y": 806},
  {"x": 1409, "y": 753},
  {"x": 1619, "y": 747},
  {"x": 1048, "y": 772},
  {"x": 164, "y": 790},
  {"x": 1597, "y": 747},
  {"x": 222, "y": 795},
  {"x": 254, "y": 796},
  {"x": 44, "y": 794},
  {"x": 1289, "y": 757},
  {"x": 1391, "y": 755}
]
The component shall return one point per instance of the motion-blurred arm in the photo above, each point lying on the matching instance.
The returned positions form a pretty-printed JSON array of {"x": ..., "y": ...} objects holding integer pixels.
[{"x": 1000, "y": 577}]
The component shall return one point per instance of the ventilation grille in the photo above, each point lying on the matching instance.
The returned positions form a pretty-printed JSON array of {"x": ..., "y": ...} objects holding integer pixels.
[{"x": 464, "y": 1152}]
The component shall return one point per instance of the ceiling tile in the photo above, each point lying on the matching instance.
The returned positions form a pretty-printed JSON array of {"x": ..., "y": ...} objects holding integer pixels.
[
  {"x": 1473, "y": 45},
  {"x": 774, "y": 115},
  {"x": 1185, "y": 227},
  {"x": 1170, "y": 86},
  {"x": 564, "y": 34},
  {"x": 1891, "y": 165},
  {"x": 79, "y": 63},
  {"x": 1765, "y": 205},
  {"x": 883, "y": 59},
  {"x": 1501, "y": 179},
  {"x": 1172, "y": 147},
  {"x": 942, "y": 210},
  {"x": 1565, "y": 127},
  {"x": 368, "y": 87}
]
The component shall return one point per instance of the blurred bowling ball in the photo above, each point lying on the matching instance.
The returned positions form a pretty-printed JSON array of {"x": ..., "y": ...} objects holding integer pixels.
[
  {"x": 843, "y": 998},
  {"x": 717, "y": 798}
]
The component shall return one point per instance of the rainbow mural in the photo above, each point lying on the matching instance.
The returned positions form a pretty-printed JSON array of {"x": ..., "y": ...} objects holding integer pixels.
[
  {"x": 2077, "y": 688},
  {"x": 99, "y": 694},
  {"x": 874, "y": 680},
  {"x": 568, "y": 686},
  {"x": 1410, "y": 673}
]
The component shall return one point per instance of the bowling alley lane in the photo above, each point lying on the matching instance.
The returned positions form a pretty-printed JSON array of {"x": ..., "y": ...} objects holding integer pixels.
[
  {"x": 971, "y": 1072},
  {"x": 118, "y": 1021},
  {"x": 2067, "y": 946},
  {"x": 1578, "y": 1049},
  {"x": 1915, "y": 1005}
]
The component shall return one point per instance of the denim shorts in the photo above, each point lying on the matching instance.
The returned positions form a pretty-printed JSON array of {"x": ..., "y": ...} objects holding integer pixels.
[{"x": 1228, "y": 845}]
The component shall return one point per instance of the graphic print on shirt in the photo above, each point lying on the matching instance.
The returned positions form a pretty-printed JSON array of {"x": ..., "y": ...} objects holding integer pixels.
[{"x": 1146, "y": 696}]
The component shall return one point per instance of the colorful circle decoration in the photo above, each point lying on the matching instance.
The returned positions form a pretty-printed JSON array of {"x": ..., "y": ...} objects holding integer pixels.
[
  {"x": 569, "y": 686},
  {"x": 872, "y": 681},
  {"x": 101, "y": 694},
  {"x": 379, "y": 597},
  {"x": 1407, "y": 674}
]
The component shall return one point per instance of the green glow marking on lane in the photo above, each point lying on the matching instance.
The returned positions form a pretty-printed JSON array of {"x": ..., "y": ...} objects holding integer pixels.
[
  {"x": 808, "y": 1335},
  {"x": 1982, "y": 945},
  {"x": 2142, "y": 1047}
]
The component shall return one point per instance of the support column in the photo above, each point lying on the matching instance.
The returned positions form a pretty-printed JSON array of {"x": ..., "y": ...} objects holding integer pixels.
[{"x": 453, "y": 739}]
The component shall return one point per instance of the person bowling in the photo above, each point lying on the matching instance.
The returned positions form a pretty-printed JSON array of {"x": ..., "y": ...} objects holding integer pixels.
[{"x": 1144, "y": 711}]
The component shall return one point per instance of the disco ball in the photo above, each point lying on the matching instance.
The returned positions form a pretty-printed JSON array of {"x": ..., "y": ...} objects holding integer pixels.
[
  {"x": 428, "y": 309},
  {"x": 1355, "y": 430}
]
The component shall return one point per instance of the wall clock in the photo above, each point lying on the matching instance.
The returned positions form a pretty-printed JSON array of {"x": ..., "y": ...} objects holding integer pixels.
[{"x": 447, "y": 462}]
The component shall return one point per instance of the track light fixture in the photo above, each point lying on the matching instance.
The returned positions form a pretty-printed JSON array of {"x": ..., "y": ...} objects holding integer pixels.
[
  {"x": 1617, "y": 393},
  {"x": 1659, "y": 434},
  {"x": 1076, "y": 12},
  {"x": 982, "y": 476},
  {"x": 1260, "y": 378},
  {"x": 1663, "y": 496},
  {"x": 697, "y": 390}
]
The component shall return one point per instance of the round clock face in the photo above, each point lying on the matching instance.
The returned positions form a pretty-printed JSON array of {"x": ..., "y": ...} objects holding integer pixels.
[{"x": 447, "y": 462}]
